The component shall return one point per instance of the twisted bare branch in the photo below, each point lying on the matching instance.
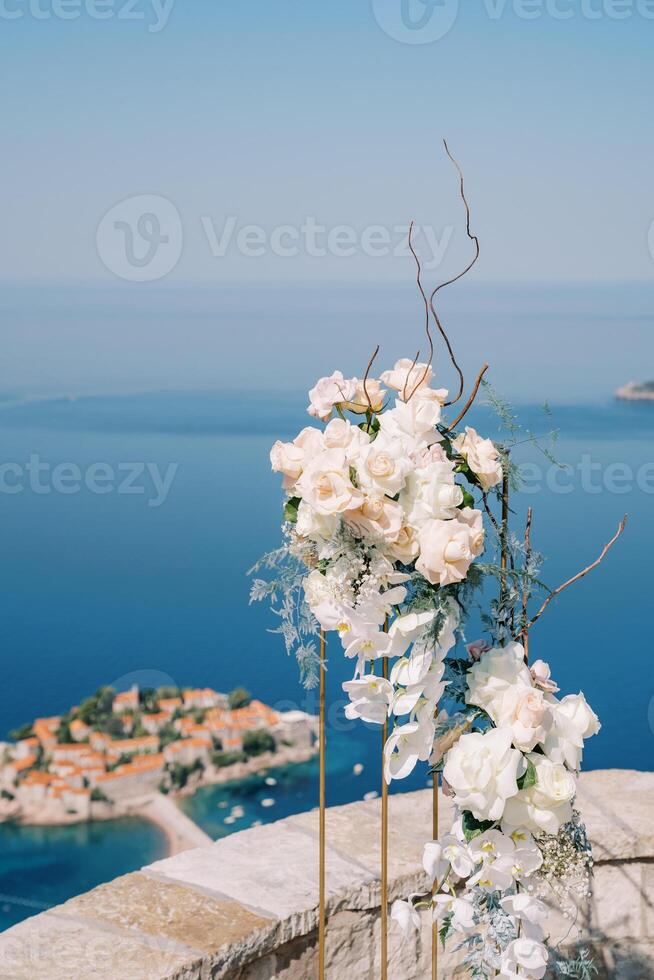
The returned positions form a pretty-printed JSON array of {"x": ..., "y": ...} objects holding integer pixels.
[
  {"x": 468, "y": 404},
  {"x": 579, "y": 575}
]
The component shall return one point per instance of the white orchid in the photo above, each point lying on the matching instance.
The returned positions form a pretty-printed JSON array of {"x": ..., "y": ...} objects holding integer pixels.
[
  {"x": 530, "y": 912},
  {"x": 458, "y": 854},
  {"x": 524, "y": 958},
  {"x": 406, "y": 916},
  {"x": 370, "y": 698},
  {"x": 405, "y": 746},
  {"x": 460, "y": 909},
  {"x": 434, "y": 862}
]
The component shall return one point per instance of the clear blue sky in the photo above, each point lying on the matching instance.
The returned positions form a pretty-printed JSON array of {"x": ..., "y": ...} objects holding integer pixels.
[{"x": 270, "y": 111}]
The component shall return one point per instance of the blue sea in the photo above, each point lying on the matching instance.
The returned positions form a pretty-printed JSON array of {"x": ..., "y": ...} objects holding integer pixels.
[{"x": 136, "y": 492}]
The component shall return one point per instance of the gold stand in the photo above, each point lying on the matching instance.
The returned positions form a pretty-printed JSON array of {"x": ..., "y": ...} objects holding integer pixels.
[
  {"x": 384, "y": 847},
  {"x": 434, "y": 928},
  {"x": 322, "y": 919}
]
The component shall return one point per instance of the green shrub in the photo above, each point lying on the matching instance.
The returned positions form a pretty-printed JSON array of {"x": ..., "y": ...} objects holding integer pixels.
[
  {"x": 256, "y": 743},
  {"x": 222, "y": 759},
  {"x": 239, "y": 698}
]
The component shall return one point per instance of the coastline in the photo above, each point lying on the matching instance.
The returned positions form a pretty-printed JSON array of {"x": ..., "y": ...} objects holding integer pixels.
[{"x": 180, "y": 831}]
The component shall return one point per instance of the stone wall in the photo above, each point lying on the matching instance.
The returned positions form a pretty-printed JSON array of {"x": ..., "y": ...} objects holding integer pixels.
[{"x": 244, "y": 908}]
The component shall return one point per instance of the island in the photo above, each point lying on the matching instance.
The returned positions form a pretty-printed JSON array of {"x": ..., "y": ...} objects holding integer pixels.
[
  {"x": 122, "y": 753},
  {"x": 636, "y": 391}
]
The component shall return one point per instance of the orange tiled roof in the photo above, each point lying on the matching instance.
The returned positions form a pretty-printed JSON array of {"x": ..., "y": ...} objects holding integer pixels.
[
  {"x": 143, "y": 742},
  {"x": 20, "y": 765},
  {"x": 37, "y": 778},
  {"x": 169, "y": 703},
  {"x": 188, "y": 743},
  {"x": 126, "y": 697}
]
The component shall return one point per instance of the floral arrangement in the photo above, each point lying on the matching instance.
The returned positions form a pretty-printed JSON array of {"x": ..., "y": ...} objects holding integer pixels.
[{"x": 387, "y": 513}]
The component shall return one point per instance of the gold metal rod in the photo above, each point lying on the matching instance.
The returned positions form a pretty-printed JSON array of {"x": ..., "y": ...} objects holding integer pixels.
[
  {"x": 384, "y": 843},
  {"x": 322, "y": 920},
  {"x": 434, "y": 928}
]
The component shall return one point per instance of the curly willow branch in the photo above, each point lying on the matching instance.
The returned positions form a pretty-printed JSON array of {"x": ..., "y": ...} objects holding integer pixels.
[
  {"x": 575, "y": 578},
  {"x": 365, "y": 384},
  {"x": 427, "y": 330},
  {"x": 473, "y": 238}
]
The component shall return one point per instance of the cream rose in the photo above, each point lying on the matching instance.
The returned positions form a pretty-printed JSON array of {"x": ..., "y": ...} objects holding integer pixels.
[
  {"x": 290, "y": 458},
  {"x": 482, "y": 770},
  {"x": 481, "y": 456},
  {"x": 378, "y": 515},
  {"x": 407, "y": 374},
  {"x": 326, "y": 486},
  {"x": 445, "y": 551},
  {"x": 383, "y": 465},
  {"x": 328, "y": 392},
  {"x": 546, "y": 806},
  {"x": 341, "y": 434},
  {"x": 526, "y": 712},
  {"x": 405, "y": 547},
  {"x": 366, "y": 396},
  {"x": 473, "y": 518}
]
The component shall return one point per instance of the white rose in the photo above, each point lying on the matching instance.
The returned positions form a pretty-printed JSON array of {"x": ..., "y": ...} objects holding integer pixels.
[
  {"x": 481, "y": 456},
  {"x": 316, "y": 588},
  {"x": 378, "y": 516},
  {"x": 494, "y": 676},
  {"x": 445, "y": 551},
  {"x": 407, "y": 374},
  {"x": 365, "y": 397},
  {"x": 328, "y": 392},
  {"x": 526, "y": 712},
  {"x": 310, "y": 524},
  {"x": 417, "y": 417},
  {"x": 482, "y": 770},
  {"x": 524, "y": 958},
  {"x": 405, "y": 547},
  {"x": 326, "y": 485},
  {"x": 431, "y": 492},
  {"x": 383, "y": 465},
  {"x": 290, "y": 458},
  {"x": 473, "y": 518},
  {"x": 542, "y": 677},
  {"x": 546, "y": 806},
  {"x": 341, "y": 434},
  {"x": 574, "y": 721}
]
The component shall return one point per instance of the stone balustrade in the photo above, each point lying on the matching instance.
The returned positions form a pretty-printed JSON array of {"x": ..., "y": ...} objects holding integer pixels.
[{"x": 245, "y": 908}]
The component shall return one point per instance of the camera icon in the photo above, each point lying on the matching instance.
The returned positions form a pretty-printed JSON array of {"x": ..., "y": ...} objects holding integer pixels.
[
  {"x": 141, "y": 238},
  {"x": 416, "y": 21}
]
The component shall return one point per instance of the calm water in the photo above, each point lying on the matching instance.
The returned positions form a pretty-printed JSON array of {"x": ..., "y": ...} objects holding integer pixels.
[{"x": 104, "y": 588}]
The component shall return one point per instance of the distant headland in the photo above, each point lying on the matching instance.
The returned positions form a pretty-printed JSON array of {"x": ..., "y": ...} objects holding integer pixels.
[
  {"x": 117, "y": 753},
  {"x": 636, "y": 391}
]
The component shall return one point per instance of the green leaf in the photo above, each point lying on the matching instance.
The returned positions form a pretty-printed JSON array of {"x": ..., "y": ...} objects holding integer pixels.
[
  {"x": 445, "y": 929},
  {"x": 290, "y": 510},
  {"x": 528, "y": 778},
  {"x": 354, "y": 479},
  {"x": 474, "y": 828},
  {"x": 468, "y": 499}
]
